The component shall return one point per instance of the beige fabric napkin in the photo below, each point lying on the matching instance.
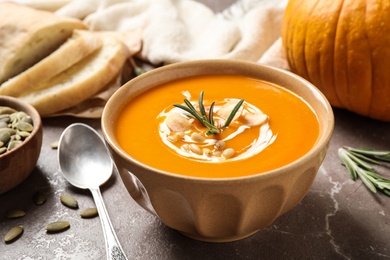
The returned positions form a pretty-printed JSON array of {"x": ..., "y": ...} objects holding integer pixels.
[{"x": 182, "y": 30}]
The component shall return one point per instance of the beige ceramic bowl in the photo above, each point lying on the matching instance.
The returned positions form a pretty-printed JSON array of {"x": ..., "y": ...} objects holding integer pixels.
[
  {"x": 218, "y": 210},
  {"x": 17, "y": 164}
]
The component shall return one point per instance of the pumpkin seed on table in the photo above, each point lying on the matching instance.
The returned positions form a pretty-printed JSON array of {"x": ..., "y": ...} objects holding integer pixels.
[
  {"x": 13, "y": 234},
  {"x": 54, "y": 145},
  {"x": 39, "y": 198},
  {"x": 15, "y": 213},
  {"x": 57, "y": 226},
  {"x": 89, "y": 213},
  {"x": 69, "y": 201}
]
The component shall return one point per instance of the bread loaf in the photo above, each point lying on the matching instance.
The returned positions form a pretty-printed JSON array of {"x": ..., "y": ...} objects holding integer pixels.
[
  {"x": 82, "y": 80},
  {"x": 28, "y": 35},
  {"x": 48, "y": 5},
  {"x": 80, "y": 45}
]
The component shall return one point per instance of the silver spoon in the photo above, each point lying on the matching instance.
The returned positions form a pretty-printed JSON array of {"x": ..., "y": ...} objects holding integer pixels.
[{"x": 86, "y": 163}]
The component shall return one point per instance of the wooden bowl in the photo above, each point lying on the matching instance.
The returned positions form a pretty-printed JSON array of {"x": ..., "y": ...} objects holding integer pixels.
[
  {"x": 218, "y": 209},
  {"x": 17, "y": 164}
]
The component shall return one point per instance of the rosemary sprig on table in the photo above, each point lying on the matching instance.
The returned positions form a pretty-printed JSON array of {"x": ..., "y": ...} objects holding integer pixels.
[
  {"x": 358, "y": 163},
  {"x": 208, "y": 120}
]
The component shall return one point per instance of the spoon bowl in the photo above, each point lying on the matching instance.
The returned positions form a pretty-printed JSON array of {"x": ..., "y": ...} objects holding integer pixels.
[
  {"x": 94, "y": 167},
  {"x": 86, "y": 163}
]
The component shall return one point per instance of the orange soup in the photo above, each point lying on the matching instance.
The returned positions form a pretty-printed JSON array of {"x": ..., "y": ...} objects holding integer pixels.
[{"x": 272, "y": 127}]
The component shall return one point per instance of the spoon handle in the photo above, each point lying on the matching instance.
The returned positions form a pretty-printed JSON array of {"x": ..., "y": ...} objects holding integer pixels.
[{"x": 113, "y": 248}]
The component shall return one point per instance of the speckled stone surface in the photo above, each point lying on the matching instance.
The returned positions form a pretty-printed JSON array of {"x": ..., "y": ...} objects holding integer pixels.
[{"x": 338, "y": 219}]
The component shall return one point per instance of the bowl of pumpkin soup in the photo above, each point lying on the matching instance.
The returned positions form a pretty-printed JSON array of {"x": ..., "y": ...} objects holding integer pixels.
[{"x": 217, "y": 149}]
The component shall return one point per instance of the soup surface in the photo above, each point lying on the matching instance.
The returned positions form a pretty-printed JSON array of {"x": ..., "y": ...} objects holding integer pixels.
[{"x": 289, "y": 131}]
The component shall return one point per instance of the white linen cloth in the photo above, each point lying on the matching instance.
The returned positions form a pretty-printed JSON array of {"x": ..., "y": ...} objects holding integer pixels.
[
  {"x": 168, "y": 31},
  {"x": 182, "y": 30}
]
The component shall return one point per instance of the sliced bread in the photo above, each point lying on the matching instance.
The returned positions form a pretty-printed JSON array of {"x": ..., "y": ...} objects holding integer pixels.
[
  {"x": 82, "y": 80},
  {"x": 28, "y": 35},
  {"x": 80, "y": 45}
]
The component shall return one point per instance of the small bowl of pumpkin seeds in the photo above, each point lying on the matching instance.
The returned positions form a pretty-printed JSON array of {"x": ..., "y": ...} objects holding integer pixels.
[{"x": 20, "y": 141}]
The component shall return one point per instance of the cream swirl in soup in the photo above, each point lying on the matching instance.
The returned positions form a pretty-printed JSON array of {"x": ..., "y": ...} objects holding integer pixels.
[{"x": 184, "y": 134}]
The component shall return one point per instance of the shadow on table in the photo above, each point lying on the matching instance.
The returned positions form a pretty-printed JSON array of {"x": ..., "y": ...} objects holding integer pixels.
[
  {"x": 318, "y": 228},
  {"x": 314, "y": 229},
  {"x": 299, "y": 234},
  {"x": 21, "y": 197}
]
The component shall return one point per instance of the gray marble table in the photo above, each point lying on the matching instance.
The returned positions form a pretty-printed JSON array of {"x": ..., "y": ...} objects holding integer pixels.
[{"x": 338, "y": 219}]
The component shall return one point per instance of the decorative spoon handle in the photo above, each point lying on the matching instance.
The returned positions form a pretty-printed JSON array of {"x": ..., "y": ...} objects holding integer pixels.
[{"x": 113, "y": 248}]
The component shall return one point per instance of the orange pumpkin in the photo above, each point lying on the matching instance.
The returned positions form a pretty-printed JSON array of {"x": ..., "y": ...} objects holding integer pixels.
[{"x": 342, "y": 47}]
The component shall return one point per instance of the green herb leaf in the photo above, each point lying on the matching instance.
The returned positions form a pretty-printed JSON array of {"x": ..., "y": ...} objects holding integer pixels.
[
  {"x": 233, "y": 113},
  {"x": 211, "y": 111},
  {"x": 201, "y": 106},
  {"x": 357, "y": 162},
  {"x": 137, "y": 69},
  {"x": 202, "y": 116}
]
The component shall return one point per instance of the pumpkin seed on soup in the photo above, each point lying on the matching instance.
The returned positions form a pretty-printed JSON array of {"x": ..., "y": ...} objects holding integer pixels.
[
  {"x": 195, "y": 149},
  {"x": 69, "y": 201},
  {"x": 13, "y": 234},
  {"x": 219, "y": 145},
  {"x": 197, "y": 137},
  {"x": 228, "y": 153}
]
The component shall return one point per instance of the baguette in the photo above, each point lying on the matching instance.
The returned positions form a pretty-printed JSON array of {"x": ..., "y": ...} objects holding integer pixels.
[
  {"x": 82, "y": 80},
  {"x": 28, "y": 35},
  {"x": 80, "y": 45}
]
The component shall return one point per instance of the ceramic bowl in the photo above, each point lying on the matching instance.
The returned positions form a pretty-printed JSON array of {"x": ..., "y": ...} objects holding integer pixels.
[
  {"x": 17, "y": 164},
  {"x": 218, "y": 210}
]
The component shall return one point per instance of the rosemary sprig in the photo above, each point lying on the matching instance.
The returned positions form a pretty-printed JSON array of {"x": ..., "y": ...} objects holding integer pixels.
[
  {"x": 233, "y": 113},
  {"x": 207, "y": 121},
  {"x": 137, "y": 69},
  {"x": 358, "y": 163}
]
